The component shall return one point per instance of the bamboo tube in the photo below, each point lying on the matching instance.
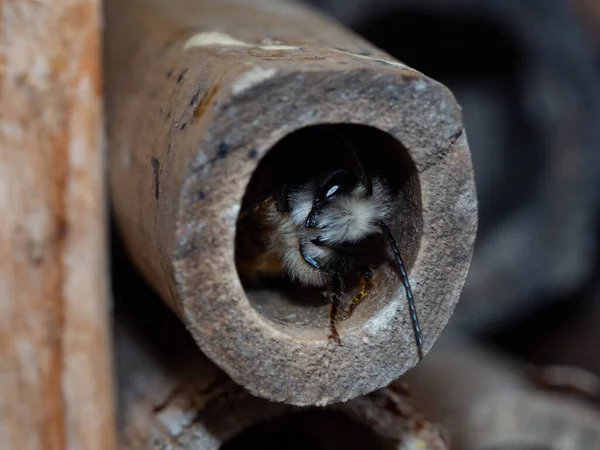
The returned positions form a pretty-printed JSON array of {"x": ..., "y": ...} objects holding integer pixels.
[
  {"x": 198, "y": 93},
  {"x": 172, "y": 397}
]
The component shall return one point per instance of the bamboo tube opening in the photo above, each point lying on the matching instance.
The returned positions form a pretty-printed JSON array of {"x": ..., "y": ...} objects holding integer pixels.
[
  {"x": 199, "y": 96},
  {"x": 302, "y": 310},
  {"x": 313, "y": 429}
]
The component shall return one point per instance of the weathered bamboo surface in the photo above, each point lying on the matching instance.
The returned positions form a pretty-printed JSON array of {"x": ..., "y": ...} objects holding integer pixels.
[{"x": 198, "y": 92}]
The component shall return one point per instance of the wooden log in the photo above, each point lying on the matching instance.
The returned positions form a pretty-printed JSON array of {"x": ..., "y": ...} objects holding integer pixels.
[
  {"x": 484, "y": 400},
  {"x": 55, "y": 367},
  {"x": 198, "y": 93},
  {"x": 173, "y": 397}
]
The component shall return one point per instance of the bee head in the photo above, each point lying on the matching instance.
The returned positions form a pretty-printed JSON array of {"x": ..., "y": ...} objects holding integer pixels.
[
  {"x": 345, "y": 209},
  {"x": 333, "y": 189}
]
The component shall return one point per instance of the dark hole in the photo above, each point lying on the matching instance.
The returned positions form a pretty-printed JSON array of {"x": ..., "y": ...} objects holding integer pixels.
[
  {"x": 518, "y": 446},
  {"x": 311, "y": 430},
  {"x": 304, "y": 154}
]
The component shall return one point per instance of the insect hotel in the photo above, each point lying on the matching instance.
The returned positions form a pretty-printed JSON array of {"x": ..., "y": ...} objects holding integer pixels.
[{"x": 250, "y": 226}]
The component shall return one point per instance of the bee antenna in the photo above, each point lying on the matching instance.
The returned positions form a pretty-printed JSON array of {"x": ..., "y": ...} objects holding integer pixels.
[
  {"x": 409, "y": 295},
  {"x": 362, "y": 173}
]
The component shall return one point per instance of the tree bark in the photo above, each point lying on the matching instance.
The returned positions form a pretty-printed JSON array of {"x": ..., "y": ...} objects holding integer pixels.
[{"x": 55, "y": 369}]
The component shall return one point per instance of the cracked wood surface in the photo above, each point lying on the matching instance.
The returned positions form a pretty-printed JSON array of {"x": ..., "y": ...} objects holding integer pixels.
[{"x": 55, "y": 371}]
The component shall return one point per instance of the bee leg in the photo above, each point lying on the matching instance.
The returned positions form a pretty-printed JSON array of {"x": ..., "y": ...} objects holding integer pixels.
[
  {"x": 335, "y": 294},
  {"x": 337, "y": 287},
  {"x": 363, "y": 291}
]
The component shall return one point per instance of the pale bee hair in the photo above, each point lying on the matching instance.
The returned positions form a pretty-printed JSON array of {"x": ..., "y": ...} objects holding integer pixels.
[
  {"x": 315, "y": 225},
  {"x": 348, "y": 220}
]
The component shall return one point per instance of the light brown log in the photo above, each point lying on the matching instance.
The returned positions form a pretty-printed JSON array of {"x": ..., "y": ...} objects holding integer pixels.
[
  {"x": 172, "y": 397},
  {"x": 486, "y": 401},
  {"x": 55, "y": 371},
  {"x": 198, "y": 92}
]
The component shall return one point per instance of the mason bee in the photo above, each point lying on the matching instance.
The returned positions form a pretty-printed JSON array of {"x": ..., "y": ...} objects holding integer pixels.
[{"x": 319, "y": 228}]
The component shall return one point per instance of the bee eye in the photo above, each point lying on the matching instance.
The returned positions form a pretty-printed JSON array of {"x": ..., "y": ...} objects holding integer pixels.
[
  {"x": 332, "y": 190},
  {"x": 338, "y": 183}
]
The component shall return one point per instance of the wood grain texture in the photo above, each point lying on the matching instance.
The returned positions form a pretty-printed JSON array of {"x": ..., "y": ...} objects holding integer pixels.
[
  {"x": 198, "y": 92},
  {"x": 55, "y": 370}
]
